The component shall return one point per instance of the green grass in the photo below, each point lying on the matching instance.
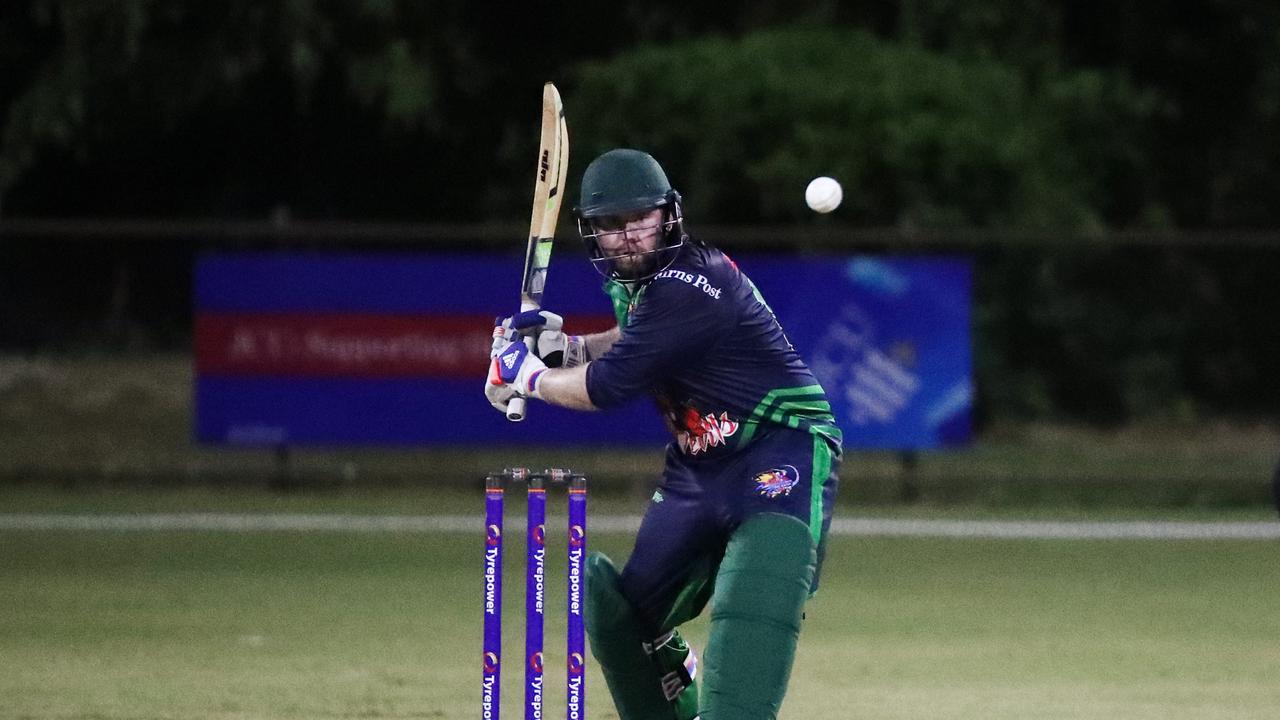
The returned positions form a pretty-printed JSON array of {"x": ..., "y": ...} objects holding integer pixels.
[
  {"x": 109, "y": 626},
  {"x": 336, "y": 625},
  {"x": 464, "y": 498}
]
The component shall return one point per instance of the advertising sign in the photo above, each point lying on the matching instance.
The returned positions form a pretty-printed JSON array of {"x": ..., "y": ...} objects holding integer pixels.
[{"x": 391, "y": 349}]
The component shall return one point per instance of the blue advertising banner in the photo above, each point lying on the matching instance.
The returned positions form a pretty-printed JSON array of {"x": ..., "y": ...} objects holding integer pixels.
[
  {"x": 888, "y": 338},
  {"x": 391, "y": 349}
]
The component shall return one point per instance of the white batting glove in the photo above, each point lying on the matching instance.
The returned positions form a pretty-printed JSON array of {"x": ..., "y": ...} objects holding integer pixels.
[
  {"x": 513, "y": 371},
  {"x": 500, "y": 395},
  {"x": 552, "y": 346}
]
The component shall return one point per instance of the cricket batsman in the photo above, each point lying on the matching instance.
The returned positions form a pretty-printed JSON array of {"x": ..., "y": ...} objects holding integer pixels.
[{"x": 745, "y": 499}]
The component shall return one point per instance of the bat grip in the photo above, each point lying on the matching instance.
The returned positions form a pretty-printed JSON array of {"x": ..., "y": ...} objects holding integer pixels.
[
  {"x": 515, "y": 406},
  {"x": 515, "y": 409}
]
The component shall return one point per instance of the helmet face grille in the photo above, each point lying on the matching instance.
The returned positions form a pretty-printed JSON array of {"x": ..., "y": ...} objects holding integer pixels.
[{"x": 673, "y": 239}]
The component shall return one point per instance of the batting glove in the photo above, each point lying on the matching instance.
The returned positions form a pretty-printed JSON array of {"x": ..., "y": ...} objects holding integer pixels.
[
  {"x": 503, "y": 335},
  {"x": 513, "y": 371},
  {"x": 553, "y": 347}
]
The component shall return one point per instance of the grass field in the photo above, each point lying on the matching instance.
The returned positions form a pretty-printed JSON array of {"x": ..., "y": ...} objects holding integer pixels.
[
  {"x": 151, "y": 625},
  {"x": 142, "y": 625}
]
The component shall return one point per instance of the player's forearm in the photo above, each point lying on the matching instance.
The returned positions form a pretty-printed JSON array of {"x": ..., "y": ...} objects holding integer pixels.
[
  {"x": 599, "y": 343},
  {"x": 566, "y": 387}
]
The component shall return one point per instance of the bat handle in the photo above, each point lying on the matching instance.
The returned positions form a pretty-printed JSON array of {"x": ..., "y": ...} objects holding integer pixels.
[
  {"x": 515, "y": 409},
  {"x": 515, "y": 406}
]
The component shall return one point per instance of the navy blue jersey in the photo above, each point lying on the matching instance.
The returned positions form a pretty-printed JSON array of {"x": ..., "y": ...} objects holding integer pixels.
[{"x": 700, "y": 339}]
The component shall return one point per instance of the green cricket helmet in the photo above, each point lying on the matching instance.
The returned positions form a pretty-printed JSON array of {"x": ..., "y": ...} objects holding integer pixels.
[{"x": 622, "y": 182}]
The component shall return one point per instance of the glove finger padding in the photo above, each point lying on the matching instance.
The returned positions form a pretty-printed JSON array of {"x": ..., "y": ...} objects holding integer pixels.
[
  {"x": 503, "y": 335},
  {"x": 499, "y": 395},
  {"x": 531, "y": 321},
  {"x": 552, "y": 346}
]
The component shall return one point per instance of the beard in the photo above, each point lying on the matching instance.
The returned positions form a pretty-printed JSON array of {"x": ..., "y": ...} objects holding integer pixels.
[{"x": 630, "y": 266}]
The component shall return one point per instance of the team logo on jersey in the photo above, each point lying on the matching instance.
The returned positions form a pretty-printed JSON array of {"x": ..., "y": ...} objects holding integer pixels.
[
  {"x": 777, "y": 482},
  {"x": 700, "y": 433}
]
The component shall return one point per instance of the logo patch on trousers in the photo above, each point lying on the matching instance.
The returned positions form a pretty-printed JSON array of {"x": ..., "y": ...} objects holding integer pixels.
[{"x": 777, "y": 482}]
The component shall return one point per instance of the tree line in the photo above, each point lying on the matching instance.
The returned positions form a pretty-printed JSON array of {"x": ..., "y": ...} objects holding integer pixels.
[{"x": 1052, "y": 114}]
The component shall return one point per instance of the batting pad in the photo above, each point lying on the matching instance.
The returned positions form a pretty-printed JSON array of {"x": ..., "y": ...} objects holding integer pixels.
[
  {"x": 617, "y": 642},
  {"x": 755, "y": 618}
]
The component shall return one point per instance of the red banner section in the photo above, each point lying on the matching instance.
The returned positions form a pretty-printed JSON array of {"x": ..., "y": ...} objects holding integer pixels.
[{"x": 349, "y": 345}]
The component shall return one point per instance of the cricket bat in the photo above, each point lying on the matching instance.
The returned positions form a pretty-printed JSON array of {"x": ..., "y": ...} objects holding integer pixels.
[{"x": 548, "y": 191}]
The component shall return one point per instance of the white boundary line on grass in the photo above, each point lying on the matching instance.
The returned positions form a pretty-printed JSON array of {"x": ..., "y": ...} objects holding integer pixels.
[{"x": 854, "y": 526}]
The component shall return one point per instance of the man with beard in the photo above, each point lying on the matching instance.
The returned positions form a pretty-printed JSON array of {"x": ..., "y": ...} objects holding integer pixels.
[{"x": 745, "y": 499}]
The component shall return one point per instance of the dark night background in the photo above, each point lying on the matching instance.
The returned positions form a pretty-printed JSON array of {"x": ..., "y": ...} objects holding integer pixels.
[{"x": 1112, "y": 166}]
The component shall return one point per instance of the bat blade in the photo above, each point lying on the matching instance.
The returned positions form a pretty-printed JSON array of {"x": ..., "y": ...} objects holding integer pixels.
[{"x": 548, "y": 192}]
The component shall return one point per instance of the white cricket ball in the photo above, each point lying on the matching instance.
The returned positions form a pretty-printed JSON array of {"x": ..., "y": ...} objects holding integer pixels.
[{"x": 823, "y": 194}]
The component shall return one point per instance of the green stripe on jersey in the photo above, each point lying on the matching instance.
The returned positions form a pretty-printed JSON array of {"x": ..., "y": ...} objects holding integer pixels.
[
  {"x": 796, "y": 407},
  {"x": 821, "y": 469},
  {"x": 820, "y": 408}
]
